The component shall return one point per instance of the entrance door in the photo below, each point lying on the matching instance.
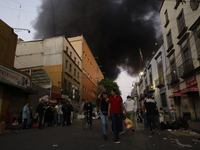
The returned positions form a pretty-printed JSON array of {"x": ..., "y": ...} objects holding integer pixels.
[
  {"x": 196, "y": 104},
  {"x": 177, "y": 101}
]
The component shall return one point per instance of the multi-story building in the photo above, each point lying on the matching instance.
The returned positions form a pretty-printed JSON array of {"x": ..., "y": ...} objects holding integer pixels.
[
  {"x": 152, "y": 80},
  {"x": 15, "y": 86},
  {"x": 53, "y": 58},
  {"x": 92, "y": 74},
  {"x": 180, "y": 22}
]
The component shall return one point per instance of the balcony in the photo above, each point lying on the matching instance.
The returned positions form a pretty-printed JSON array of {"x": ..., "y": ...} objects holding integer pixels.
[
  {"x": 159, "y": 82},
  {"x": 173, "y": 78},
  {"x": 186, "y": 69},
  {"x": 151, "y": 88}
]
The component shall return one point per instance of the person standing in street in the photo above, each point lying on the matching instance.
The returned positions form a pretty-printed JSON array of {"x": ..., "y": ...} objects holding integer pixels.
[
  {"x": 172, "y": 112},
  {"x": 104, "y": 112},
  {"x": 114, "y": 111},
  {"x": 40, "y": 110},
  {"x": 60, "y": 113},
  {"x": 55, "y": 115},
  {"x": 131, "y": 108},
  {"x": 25, "y": 115},
  {"x": 67, "y": 108},
  {"x": 151, "y": 112}
]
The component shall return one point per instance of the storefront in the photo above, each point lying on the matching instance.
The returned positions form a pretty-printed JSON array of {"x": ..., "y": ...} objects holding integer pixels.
[{"x": 14, "y": 93}]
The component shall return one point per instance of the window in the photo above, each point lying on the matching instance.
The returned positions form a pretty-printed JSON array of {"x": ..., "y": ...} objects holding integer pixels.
[
  {"x": 66, "y": 49},
  {"x": 66, "y": 64},
  {"x": 163, "y": 98},
  {"x": 70, "y": 54},
  {"x": 181, "y": 22},
  {"x": 75, "y": 59},
  {"x": 70, "y": 68},
  {"x": 169, "y": 39},
  {"x": 74, "y": 72},
  {"x": 78, "y": 75},
  {"x": 78, "y": 63},
  {"x": 166, "y": 16}
]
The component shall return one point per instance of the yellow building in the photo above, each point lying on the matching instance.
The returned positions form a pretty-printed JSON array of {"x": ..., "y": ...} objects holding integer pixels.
[{"x": 57, "y": 57}]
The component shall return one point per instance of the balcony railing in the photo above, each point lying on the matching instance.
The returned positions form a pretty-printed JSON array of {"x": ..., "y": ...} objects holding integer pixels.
[
  {"x": 173, "y": 77},
  {"x": 186, "y": 69},
  {"x": 159, "y": 82}
]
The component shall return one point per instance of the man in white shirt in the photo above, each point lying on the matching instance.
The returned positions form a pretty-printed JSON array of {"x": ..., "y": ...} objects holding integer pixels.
[
  {"x": 60, "y": 113},
  {"x": 172, "y": 112},
  {"x": 131, "y": 108}
]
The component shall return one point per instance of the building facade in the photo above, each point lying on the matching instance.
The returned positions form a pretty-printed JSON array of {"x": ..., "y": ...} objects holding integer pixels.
[
  {"x": 153, "y": 80},
  {"x": 15, "y": 86},
  {"x": 181, "y": 34},
  {"x": 92, "y": 74},
  {"x": 56, "y": 59}
]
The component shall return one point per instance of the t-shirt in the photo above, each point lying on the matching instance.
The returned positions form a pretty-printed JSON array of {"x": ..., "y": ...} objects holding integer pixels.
[
  {"x": 25, "y": 108},
  {"x": 150, "y": 106},
  {"x": 115, "y": 104},
  {"x": 104, "y": 105},
  {"x": 60, "y": 110}
]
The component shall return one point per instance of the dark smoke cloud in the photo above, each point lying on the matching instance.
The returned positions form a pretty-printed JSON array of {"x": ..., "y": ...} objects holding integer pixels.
[{"x": 114, "y": 29}]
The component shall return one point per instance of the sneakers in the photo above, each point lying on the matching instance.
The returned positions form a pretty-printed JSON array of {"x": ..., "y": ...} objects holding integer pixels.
[
  {"x": 121, "y": 132},
  {"x": 116, "y": 140},
  {"x": 105, "y": 137}
]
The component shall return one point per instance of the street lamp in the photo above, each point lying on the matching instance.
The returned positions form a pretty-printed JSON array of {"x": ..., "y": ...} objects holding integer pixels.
[{"x": 141, "y": 73}]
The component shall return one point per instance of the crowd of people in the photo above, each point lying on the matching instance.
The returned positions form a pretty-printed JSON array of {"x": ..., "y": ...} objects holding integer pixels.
[
  {"x": 111, "y": 107},
  {"x": 49, "y": 115}
]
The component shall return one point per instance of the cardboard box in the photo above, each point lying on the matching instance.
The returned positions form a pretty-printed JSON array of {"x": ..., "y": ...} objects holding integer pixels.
[
  {"x": 167, "y": 118},
  {"x": 2, "y": 127}
]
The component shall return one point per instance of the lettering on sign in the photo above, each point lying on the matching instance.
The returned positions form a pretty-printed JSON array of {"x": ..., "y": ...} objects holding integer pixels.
[
  {"x": 191, "y": 82},
  {"x": 176, "y": 88}
]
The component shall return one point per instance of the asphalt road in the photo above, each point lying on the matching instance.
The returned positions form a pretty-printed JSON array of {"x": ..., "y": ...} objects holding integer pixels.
[{"x": 75, "y": 138}]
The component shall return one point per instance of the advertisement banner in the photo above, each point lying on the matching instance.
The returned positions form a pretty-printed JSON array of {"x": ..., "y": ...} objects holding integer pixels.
[
  {"x": 176, "y": 88},
  {"x": 191, "y": 82},
  {"x": 11, "y": 77}
]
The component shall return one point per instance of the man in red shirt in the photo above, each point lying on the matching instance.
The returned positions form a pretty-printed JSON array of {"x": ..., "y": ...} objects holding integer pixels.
[{"x": 114, "y": 111}]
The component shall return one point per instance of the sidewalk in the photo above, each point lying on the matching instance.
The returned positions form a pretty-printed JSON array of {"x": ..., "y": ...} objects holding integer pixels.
[{"x": 194, "y": 126}]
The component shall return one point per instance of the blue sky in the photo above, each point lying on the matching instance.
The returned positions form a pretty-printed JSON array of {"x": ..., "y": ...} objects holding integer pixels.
[{"x": 22, "y": 13}]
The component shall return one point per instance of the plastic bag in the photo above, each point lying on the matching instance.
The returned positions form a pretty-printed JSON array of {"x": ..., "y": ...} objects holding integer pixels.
[{"x": 128, "y": 123}]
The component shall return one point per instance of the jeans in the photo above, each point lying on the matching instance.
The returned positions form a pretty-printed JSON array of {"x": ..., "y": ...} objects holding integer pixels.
[
  {"x": 24, "y": 123},
  {"x": 151, "y": 119},
  {"x": 104, "y": 120},
  {"x": 55, "y": 118},
  {"x": 145, "y": 121},
  {"x": 116, "y": 121},
  {"x": 61, "y": 118},
  {"x": 130, "y": 115},
  {"x": 40, "y": 120}
]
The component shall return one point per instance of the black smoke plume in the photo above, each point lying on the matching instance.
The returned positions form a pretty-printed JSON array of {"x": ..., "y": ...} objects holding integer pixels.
[{"x": 113, "y": 29}]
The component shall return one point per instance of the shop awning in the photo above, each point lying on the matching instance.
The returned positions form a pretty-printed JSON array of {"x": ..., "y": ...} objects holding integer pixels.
[
  {"x": 39, "y": 75},
  {"x": 175, "y": 95},
  {"x": 192, "y": 89}
]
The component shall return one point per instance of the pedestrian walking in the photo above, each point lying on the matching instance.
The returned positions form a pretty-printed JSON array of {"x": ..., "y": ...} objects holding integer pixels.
[
  {"x": 25, "y": 115},
  {"x": 131, "y": 108},
  {"x": 150, "y": 107},
  {"x": 114, "y": 111},
  {"x": 88, "y": 109},
  {"x": 67, "y": 108},
  {"x": 48, "y": 117},
  {"x": 172, "y": 112},
  {"x": 40, "y": 110},
  {"x": 104, "y": 112}
]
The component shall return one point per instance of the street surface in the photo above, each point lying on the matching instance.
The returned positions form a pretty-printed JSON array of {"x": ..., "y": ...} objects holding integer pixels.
[{"x": 75, "y": 138}]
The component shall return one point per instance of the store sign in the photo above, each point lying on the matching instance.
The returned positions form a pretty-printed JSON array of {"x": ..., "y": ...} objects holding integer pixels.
[
  {"x": 11, "y": 77},
  {"x": 176, "y": 88},
  {"x": 191, "y": 82}
]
